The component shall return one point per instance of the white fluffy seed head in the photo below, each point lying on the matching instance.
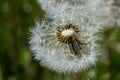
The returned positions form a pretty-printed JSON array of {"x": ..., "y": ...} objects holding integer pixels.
[
  {"x": 56, "y": 55},
  {"x": 51, "y": 6},
  {"x": 109, "y": 13},
  {"x": 68, "y": 32}
]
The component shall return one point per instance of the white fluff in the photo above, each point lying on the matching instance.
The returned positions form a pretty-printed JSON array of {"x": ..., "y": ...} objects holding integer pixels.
[
  {"x": 57, "y": 56},
  {"x": 109, "y": 14},
  {"x": 51, "y": 6}
]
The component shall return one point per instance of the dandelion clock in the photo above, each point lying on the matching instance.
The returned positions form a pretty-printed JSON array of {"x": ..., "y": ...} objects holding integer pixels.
[
  {"x": 66, "y": 41},
  {"x": 52, "y": 6},
  {"x": 109, "y": 13}
]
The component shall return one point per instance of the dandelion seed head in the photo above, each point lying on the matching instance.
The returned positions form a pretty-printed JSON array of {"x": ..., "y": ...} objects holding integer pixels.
[
  {"x": 52, "y": 6},
  {"x": 66, "y": 41},
  {"x": 108, "y": 12}
]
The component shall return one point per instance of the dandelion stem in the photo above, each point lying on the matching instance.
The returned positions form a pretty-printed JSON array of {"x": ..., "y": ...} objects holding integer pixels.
[
  {"x": 84, "y": 75},
  {"x": 76, "y": 76},
  {"x": 81, "y": 76}
]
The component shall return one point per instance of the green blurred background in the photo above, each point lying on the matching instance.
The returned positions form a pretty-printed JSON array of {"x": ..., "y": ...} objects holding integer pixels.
[{"x": 16, "y": 60}]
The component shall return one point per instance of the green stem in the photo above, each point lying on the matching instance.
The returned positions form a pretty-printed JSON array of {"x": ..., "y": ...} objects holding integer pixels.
[
  {"x": 81, "y": 76},
  {"x": 84, "y": 75},
  {"x": 76, "y": 76}
]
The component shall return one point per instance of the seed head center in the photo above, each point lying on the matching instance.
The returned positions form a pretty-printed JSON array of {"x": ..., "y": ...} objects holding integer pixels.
[
  {"x": 69, "y": 35},
  {"x": 68, "y": 32}
]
